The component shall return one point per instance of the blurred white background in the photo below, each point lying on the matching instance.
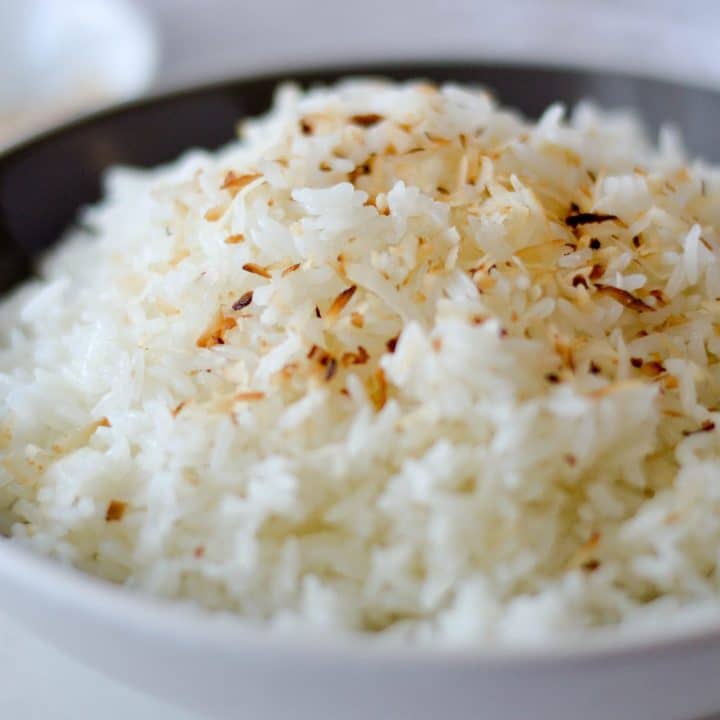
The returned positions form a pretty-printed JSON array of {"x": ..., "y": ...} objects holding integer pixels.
[
  {"x": 60, "y": 57},
  {"x": 214, "y": 38}
]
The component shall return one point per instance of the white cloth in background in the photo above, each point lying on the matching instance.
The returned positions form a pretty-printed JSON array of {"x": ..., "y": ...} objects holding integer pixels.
[{"x": 60, "y": 57}]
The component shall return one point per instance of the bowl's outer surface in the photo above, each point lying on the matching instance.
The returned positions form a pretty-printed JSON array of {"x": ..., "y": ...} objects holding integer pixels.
[
  {"x": 219, "y": 668},
  {"x": 231, "y": 672}
]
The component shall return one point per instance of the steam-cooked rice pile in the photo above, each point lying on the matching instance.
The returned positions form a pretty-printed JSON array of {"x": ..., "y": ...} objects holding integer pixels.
[{"x": 398, "y": 360}]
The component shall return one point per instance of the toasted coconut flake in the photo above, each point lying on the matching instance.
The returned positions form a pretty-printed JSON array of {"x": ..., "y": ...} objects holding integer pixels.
[
  {"x": 652, "y": 368},
  {"x": 706, "y": 427},
  {"x": 360, "y": 357},
  {"x": 257, "y": 270},
  {"x": 377, "y": 389},
  {"x": 357, "y": 319},
  {"x": 437, "y": 139},
  {"x": 244, "y": 301},
  {"x": 290, "y": 269},
  {"x": 564, "y": 350},
  {"x": 324, "y": 359},
  {"x": 214, "y": 213},
  {"x": 673, "y": 413},
  {"x": 672, "y": 321},
  {"x": 362, "y": 169},
  {"x": 341, "y": 265},
  {"x": 597, "y": 272},
  {"x": 330, "y": 369},
  {"x": 179, "y": 408},
  {"x": 625, "y": 298},
  {"x": 367, "y": 120},
  {"x": 659, "y": 295},
  {"x": 214, "y": 335},
  {"x": 340, "y": 302},
  {"x": 588, "y": 218},
  {"x": 592, "y": 543},
  {"x": 235, "y": 239},
  {"x": 115, "y": 511},
  {"x": 237, "y": 182},
  {"x": 250, "y": 396}
]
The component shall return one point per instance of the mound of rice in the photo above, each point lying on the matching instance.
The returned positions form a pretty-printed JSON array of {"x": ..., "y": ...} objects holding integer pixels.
[{"x": 396, "y": 361}]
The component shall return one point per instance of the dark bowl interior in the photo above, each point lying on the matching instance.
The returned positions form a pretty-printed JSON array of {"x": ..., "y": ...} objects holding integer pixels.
[{"x": 45, "y": 181}]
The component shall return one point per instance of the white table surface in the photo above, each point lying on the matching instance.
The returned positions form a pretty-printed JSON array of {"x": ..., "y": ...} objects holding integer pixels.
[
  {"x": 215, "y": 38},
  {"x": 39, "y": 683}
]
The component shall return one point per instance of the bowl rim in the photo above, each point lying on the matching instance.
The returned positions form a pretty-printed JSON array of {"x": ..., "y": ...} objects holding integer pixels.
[
  {"x": 310, "y": 73},
  {"x": 188, "y": 623},
  {"x": 29, "y": 571}
]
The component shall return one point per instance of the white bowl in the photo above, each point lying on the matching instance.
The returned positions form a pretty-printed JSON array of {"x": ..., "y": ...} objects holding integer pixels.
[
  {"x": 216, "y": 665},
  {"x": 219, "y": 665}
]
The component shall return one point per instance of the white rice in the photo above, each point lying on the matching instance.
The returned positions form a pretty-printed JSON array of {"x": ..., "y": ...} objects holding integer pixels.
[{"x": 538, "y": 455}]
